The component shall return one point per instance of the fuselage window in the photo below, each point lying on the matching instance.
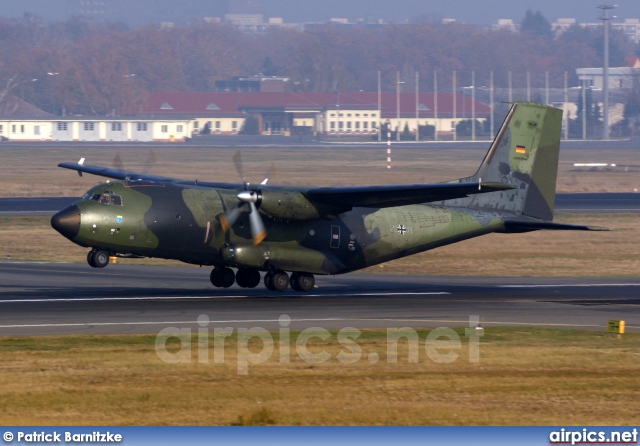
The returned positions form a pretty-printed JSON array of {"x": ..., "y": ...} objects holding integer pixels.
[
  {"x": 104, "y": 199},
  {"x": 95, "y": 197},
  {"x": 116, "y": 200}
]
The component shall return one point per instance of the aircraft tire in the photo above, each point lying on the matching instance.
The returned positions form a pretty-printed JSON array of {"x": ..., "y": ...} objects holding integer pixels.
[
  {"x": 216, "y": 277},
  {"x": 280, "y": 281},
  {"x": 100, "y": 258},
  {"x": 228, "y": 277},
  {"x": 90, "y": 259},
  {"x": 248, "y": 277},
  {"x": 293, "y": 281},
  {"x": 302, "y": 282},
  {"x": 268, "y": 281}
]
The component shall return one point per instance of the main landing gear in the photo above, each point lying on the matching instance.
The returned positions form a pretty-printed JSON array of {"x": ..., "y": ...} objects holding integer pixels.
[
  {"x": 250, "y": 278},
  {"x": 98, "y": 258}
]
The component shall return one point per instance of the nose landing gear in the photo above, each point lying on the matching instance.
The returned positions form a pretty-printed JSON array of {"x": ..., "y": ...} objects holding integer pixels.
[{"x": 98, "y": 258}]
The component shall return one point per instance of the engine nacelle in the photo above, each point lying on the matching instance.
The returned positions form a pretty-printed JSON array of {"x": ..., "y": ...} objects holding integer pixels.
[{"x": 292, "y": 205}]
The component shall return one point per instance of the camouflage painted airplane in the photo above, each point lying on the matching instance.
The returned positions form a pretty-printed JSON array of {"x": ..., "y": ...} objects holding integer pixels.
[{"x": 319, "y": 230}]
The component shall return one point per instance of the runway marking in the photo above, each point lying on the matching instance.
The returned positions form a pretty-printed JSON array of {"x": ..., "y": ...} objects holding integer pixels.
[
  {"x": 244, "y": 321},
  {"x": 617, "y": 210},
  {"x": 568, "y": 285},
  {"x": 229, "y": 296},
  {"x": 103, "y": 324}
]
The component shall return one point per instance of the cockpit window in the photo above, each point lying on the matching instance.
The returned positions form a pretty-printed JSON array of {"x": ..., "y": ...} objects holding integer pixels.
[{"x": 106, "y": 198}]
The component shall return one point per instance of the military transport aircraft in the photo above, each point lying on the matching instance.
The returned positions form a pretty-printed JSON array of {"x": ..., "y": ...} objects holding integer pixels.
[{"x": 319, "y": 230}]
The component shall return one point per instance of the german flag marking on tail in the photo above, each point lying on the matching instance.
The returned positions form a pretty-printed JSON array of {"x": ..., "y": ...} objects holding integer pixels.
[{"x": 521, "y": 149}]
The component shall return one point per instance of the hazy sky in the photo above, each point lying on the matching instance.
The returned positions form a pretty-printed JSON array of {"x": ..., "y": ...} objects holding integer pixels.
[{"x": 482, "y": 12}]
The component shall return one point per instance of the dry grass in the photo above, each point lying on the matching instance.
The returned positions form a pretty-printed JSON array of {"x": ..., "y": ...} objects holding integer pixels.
[
  {"x": 524, "y": 377},
  {"x": 31, "y": 171},
  {"x": 543, "y": 253}
]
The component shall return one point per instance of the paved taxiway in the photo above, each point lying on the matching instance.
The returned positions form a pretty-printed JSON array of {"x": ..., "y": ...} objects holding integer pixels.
[{"x": 44, "y": 298}]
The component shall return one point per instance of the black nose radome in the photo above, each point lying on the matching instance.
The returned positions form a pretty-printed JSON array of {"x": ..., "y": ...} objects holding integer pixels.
[{"x": 67, "y": 221}]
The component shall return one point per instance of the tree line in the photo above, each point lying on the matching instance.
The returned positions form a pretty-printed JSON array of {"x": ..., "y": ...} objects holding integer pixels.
[{"x": 80, "y": 67}]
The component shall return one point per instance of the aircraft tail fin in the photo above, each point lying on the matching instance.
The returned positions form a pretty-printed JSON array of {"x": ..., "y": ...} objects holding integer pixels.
[{"x": 524, "y": 154}]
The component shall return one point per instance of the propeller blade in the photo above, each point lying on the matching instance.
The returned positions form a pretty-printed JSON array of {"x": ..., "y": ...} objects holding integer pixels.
[
  {"x": 117, "y": 162},
  {"x": 271, "y": 173},
  {"x": 228, "y": 219},
  {"x": 151, "y": 160},
  {"x": 237, "y": 160},
  {"x": 258, "y": 231}
]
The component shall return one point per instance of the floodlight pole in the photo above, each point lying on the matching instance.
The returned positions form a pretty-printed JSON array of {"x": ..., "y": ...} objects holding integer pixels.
[{"x": 605, "y": 71}]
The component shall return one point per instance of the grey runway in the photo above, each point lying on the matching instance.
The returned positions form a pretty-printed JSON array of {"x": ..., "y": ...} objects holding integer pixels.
[
  {"x": 585, "y": 203},
  {"x": 56, "y": 299}
]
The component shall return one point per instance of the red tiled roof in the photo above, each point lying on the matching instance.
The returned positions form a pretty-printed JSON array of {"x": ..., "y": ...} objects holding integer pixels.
[
  {"x": 14, "y": 106},
  {"x": 234, "y": 103}
]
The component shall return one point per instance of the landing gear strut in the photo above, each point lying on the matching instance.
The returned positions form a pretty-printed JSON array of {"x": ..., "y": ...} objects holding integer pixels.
[{"x": 98, "y": 258}]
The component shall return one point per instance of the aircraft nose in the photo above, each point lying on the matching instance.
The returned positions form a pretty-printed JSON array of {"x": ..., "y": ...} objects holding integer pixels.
[{"x": 67, "y": 221}]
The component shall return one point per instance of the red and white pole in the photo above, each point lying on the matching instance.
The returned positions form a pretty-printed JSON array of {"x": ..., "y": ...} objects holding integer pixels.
[{"x": 388, "y": 143}]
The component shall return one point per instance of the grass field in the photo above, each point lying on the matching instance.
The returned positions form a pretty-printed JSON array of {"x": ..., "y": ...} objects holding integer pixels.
[{"x": 524, "y": 376}]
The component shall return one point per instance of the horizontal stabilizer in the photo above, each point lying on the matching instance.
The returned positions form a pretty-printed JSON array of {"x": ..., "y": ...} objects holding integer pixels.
[
  {"x": 514, "y": 226},
  {"x": 399, "y": 195}
]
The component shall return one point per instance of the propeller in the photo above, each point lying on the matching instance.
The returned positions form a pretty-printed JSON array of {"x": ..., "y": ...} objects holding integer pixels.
[
  {"x": 149, "y": 162},
  {"x": 246, "y": 197}
]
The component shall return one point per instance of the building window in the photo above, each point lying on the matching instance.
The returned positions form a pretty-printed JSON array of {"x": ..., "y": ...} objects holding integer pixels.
[
  {"x": 142, "y": 126},
  {"x": 22, "y": 128},
  {"x": 1, "y": 129},
  {"x": 13, "y": 128},
  {"x": 179, "y": 129},
  {"x": 332, "y": 126},
  {"x": 333, "y": 115},
  {"x": 217, "y": 126},
  {"x": 164, "y": 128},
  {"x": 373, "y": 124},
  {"x": 349, "y": 125},
  {"x": 340, "y": 125},
  {"x": 234, "y": 125},
  {"x": 196, "y": 126},
  {"x": 116, "y": 126},
  {"x": 62, "y": 126},
  {"x": 365, "y": 125},
  {"x": 36, "y": 130},
  {"x": 357, "y": 125},
  {"x": 88, "y": 126}
]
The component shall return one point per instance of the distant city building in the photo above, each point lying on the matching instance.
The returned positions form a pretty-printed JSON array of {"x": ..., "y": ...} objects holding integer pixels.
[
  {"x": 630, "y": 27},
  {"x": 265, "y": 84},
  {"x": 333, "y": 114},
  {"x": 505, "y": 24},
  {"x": 144, "y": 12},
  {"x": 620, "y": 78}
]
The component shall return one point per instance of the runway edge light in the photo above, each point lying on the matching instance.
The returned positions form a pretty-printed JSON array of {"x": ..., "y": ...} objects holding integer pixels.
[{"x": 615, "y": 326}]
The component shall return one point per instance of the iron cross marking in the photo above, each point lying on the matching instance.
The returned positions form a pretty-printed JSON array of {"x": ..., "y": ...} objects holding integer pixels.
[{"x": 402, "y": 229}]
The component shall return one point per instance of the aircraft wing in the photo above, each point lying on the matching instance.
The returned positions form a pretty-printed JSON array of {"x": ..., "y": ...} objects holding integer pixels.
[
  {"x": 341, "y": 197},
  {"x": 399, "y": 195},
  {"x": 137, "y": 176}
]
